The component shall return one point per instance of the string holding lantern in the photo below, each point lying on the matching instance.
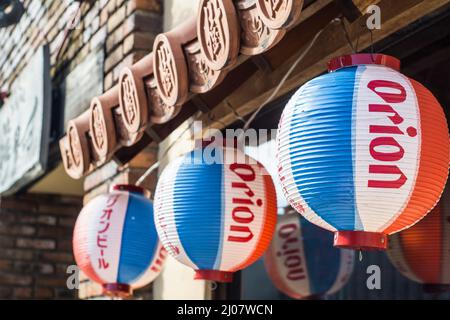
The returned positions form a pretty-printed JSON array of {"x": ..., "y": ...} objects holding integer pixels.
[
  {"x": 302, "y": 263},
  {"x": 363, "y": 150},
  {"x": 217, "y": 215},
  {"x": 422, "y": 253},
  {"x": 115, "y": 242}
]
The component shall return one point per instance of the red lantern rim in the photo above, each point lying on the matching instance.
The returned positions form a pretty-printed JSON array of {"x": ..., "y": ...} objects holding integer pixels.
[
  {"x": 214, "y": 275},
  {"x": 360, "y": 240},
  {"x": 118, "y": 290},
  {"x": 363, "y": 59},
  {"x": 129, "y": 188}
]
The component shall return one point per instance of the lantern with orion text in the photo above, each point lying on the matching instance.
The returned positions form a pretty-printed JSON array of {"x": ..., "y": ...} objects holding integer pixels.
[
  {"x": 115, "y": 242},
  {"x": 363, "y": 150},
  {"x": 302, "y": 262},
  {"x": 218, "y": 215},
  {"x": 422, "y": 253}
]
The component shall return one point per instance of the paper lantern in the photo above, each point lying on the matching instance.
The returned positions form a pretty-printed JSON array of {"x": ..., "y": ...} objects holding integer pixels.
[
  {"x": 363, "y": 150},
  {"x": 218, "y": 215},
  {"x": 422, "y": 253},
  {"x": 302, "y": 262},
  {"x": 115, "y": 242}
]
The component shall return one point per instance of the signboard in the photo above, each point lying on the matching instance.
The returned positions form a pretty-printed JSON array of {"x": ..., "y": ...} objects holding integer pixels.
[
  {"x": 82, "y": 84},
  {"x": 25, "y": 125}
]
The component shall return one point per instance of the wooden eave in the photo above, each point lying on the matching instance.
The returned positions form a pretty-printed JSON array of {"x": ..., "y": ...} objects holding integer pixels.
[{"x": 190, "y": 70}]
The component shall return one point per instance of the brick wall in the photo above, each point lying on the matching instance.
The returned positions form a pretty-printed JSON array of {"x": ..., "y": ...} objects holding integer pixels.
[
  {"x": 125, "y": 28},
  {"x": 36, "y": 230},
  {"x": 36, "y": 246}
]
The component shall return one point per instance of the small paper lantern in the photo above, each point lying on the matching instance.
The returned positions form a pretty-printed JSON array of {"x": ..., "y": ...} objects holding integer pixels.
[
  {"x": 302, "y": 262},
  {"x": 216, "y": 216},
  {"x": 115, "y": 242},
  {"x": 363, "y": 150},
  {"x": 422, "y": 253}
]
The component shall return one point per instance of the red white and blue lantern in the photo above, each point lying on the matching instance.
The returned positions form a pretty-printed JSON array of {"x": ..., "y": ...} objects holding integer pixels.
[
  {"x": 115, "y": 242},
  {"x": 301, "y": 261},
  {"x": 422, "y": 253},
  {"x": 216, "y": 217},
  {"x": 363, "y": 150}
]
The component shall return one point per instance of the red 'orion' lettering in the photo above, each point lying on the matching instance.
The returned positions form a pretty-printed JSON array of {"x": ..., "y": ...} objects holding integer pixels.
[
  {"x": 386, "y": 156},
  {"x": 387, "y": 169},
  {"x": 291, "y": 255},
  {"x": 395, "y": 118},
  {"x": 246, "y": 234},
  {"x": 391, "y": 92},
  {"x": 242, "y": 214},
  {"x": 244, "y": 171},
  {"x": 389, "y": 97}
]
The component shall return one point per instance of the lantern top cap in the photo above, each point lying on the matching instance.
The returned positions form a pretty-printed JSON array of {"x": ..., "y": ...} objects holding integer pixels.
[
  {"x": 363, "y": 59},
  {"x": 129, "y": 188}
]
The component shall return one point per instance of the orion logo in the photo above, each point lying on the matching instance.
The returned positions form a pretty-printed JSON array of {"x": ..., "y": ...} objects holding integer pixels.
[
  {"x": 73, "y": 281},
  {"x": 385, "y": 147},
  {"x": 290, "y": 252},
  {"x": 374, "y": 280},
  {"x": 374, "y": 20},
  {"x": 242, "y": 212}
]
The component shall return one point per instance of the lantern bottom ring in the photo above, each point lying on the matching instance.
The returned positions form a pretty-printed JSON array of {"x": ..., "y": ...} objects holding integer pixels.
[
  {"x": 119, "y": 290},
  {"x": 213, "y": 275},
  {"x": 360, "y": 240}
]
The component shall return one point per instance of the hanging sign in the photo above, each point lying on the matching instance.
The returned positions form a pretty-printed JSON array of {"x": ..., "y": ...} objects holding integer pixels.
[{"x": 25, "y": 125}]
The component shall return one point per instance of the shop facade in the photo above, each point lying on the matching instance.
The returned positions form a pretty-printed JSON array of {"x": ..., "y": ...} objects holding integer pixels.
[{"x": 130, "y": 78}]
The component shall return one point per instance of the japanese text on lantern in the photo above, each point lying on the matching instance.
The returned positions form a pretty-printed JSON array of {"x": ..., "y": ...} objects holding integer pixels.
[{"x": 102, "y": 233}]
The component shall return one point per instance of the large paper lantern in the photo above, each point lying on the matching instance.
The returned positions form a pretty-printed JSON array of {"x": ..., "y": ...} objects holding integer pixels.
[
  {"x": 115, "y": 242},
  {"x": 363, "y": 150},
  {"x": 422, "y": 253},
  {"x": 218, "y": 215},
  {"x": 302, "y": 262}
]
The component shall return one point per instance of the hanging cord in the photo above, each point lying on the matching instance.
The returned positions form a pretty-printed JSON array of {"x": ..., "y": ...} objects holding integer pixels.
[
  {"x": 148, "y": 172},
  {"x": 286, "y": 76},
  {"x": 347, "y": 36},
  {"x": 69, "y": 28},
  {"x": 371, "y": 45}
]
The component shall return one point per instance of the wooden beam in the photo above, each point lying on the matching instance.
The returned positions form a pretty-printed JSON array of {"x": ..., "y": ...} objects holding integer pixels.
[{"x": 354, "y": 9}]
